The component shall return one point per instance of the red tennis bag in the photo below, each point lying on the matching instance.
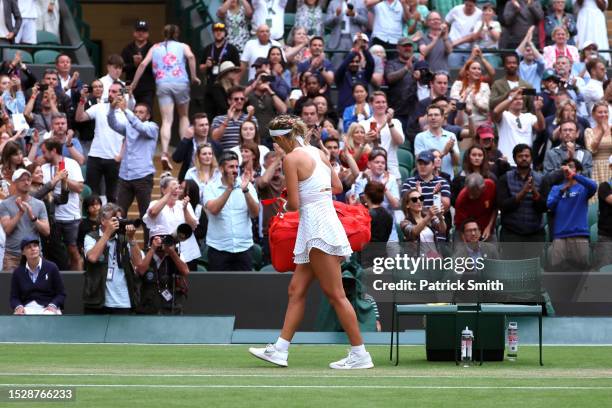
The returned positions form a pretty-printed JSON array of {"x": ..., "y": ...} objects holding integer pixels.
[{"x": 283, "y": 231}]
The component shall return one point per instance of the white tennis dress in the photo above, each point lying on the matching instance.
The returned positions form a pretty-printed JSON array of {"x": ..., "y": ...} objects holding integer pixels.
[{"x": 319, "y": 224}]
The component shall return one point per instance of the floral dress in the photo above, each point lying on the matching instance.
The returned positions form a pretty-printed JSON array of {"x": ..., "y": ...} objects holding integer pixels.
[
  {"x": 311, "y": 18},
  {"x": 237, "y": 28}
]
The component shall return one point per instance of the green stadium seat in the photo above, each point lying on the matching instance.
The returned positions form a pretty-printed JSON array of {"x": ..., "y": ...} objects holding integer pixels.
[
  {"x": 86, "y": 192},
  {"x": 606, "y": 268},
  {"x": 45, "y": 57},
  {"x": 404, "y": 172},
  {"x": 593, "y": 213},
  {"x": 257, "y": 256},
  {"x": 289, "y": 19},
  {"x": 405, "y": 158},
  {"x": 26, "y": 57},
  {"x": 45, "y": 37},
  {"x": 594, "y": 233}
]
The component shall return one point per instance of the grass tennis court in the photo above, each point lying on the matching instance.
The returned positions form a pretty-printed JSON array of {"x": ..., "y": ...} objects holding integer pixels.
[{"x": 214, "y": 376}]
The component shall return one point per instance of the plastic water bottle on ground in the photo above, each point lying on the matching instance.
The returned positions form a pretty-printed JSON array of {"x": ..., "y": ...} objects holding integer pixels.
[
  {"x": 512, "y": 341},
  {"x": 467, "y": 338}
]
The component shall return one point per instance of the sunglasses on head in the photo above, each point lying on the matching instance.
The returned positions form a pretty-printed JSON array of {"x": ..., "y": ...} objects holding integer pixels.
[{"x": 417, "y": 198}]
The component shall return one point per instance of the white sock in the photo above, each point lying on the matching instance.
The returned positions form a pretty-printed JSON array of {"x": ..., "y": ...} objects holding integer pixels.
[
  {"x": 358, "y": 350},
  {"x": 282, "y": 344}
]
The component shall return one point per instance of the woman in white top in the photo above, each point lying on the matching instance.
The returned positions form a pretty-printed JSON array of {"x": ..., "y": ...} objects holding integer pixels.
[
  {"x": 248, "y": 131},
  {"x": 205, "y": 166},
  {"x": 165, "y": 215},
  {"x": 421, "y": 227},
  {"x": 320, "y": 246}
]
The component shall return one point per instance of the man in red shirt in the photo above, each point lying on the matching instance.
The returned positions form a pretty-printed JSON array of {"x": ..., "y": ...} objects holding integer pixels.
[{"x": 477, "y": 200}]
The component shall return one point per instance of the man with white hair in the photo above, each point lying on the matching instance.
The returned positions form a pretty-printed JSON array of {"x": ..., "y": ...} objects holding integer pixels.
[{"x": 256, "y": 48}]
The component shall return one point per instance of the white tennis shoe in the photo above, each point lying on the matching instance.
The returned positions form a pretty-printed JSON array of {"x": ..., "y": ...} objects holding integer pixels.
[
  {"x": 353, "y": 362},
  {"x": 271, "y": 354}
]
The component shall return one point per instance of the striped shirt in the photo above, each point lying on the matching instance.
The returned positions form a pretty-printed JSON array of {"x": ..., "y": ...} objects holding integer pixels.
[
  {"x": 427, "y": 188},
  {"x": 231, "y": 136}
]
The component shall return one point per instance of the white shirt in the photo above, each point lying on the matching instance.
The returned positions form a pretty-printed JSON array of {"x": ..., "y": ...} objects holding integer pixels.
[
  {"x": 462, "y": 24},
  {"x": 106, "y": 143},
  {"x": 388, "y": 20},
  {"x": 3, "y": 30},
  {"x": 72, "y": 209},
  {"x": 166, "y": 223},
  {"x": 231, "y": 229},
  {"x": 28, "y": 9},
  {"x": 253, "y": 50},
  {"x": 387, "y": 143},
  {"x": 510, "y": 134},
  {"x": 272, "y": 13},
  {"x": 592, "y": 92}
]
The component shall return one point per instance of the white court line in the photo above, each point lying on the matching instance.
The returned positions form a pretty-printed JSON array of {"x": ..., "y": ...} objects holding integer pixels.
[
  {"x": 166, "y": 375},
  {"x": 391, "y": 387}
]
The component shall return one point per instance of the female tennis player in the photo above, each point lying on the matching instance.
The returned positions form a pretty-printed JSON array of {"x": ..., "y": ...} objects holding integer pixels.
[{"x": 320, "y": 246}]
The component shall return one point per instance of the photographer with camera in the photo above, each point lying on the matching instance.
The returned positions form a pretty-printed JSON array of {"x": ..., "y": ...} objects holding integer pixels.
[
  {"x": 167, "y": 215},
  {"x": 264, "y": 99},
  {"x": 111, "y": 254},
  {"x": 350, "y": 72},
  {"x": 230, "y": 202},
  {"x": 163, "y": 275}
]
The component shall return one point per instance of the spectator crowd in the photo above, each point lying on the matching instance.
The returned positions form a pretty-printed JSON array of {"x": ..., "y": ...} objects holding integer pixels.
[{"x": 452, "y": 121}]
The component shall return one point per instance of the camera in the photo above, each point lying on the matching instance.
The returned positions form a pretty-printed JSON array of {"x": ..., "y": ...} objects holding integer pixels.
[
  {"x": 460, "y": 106},
  {"x": 43, "y": 87},
  {"x": 267, "y": 78},
  {"x": 124, "y": 222},
  {"x": 426, "y": 75},
  {"x": 529, "y": 92},
  {"x": 182, "y": 233},
  {"x": 28, "y": 135}
]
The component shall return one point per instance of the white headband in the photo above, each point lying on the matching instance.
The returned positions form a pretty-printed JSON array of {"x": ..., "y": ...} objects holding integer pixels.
[{"x": 279, "y": 132}]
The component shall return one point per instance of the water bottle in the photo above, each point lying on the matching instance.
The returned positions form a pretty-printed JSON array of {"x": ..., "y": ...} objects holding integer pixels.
[
  {"x": 467, "y": 338},
  {"x": 512, "y": 341}
]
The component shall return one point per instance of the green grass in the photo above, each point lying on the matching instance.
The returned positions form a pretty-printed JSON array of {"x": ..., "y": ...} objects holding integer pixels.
[{"x": 227, "y": 376}]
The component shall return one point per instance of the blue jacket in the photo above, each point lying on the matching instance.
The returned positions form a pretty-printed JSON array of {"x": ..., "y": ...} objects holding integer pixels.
[
  {"x": 48, "y": 288},
  {"x": 345, "y": 80},
  {"x": 571, "y": 207},
  {"x": 349, "y": 117}
]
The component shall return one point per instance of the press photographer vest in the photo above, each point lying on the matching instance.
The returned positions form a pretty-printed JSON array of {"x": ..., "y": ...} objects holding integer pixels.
[{"x": 94, "y": 285}]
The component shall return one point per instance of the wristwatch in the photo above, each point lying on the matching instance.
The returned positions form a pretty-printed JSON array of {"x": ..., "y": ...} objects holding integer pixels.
[
  {"x": 246, "y": 190},
  {"x": 69, "y": 144},
  {"x": 34, "y": 219},
  {"x": 391, "y": 125}
]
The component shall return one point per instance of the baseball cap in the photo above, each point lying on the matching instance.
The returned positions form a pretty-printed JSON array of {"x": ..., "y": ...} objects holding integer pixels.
[
  {"x": 141, "y": 25},
  {"x": 28, "y": 240},
  {"x": 18, "y": 173},
  {"x": 361, "y": 36},
  {"x": 260, "y": 61},
  {"x": 485, "y": 132},
  {"x": 405, "y": 41},
  {"x": 587, "y": 44},
  {"x": 219, "y": 26},
  {"x": 425, "y": 156},
  {"x": 550, "y": 74}
]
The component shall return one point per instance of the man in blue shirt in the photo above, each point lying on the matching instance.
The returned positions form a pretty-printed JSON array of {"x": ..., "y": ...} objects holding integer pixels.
[
  {"x": 137, "y": 169},
  {"x": 569, "y": 202},
  {"x": 230, "y": 202},
  {"x": 439, "y": 139},
  {"x": 320, "y": 66}
]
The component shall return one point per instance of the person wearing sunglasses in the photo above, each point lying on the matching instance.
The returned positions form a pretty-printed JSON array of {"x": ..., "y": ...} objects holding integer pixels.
[
  {"x": 421, "y": 226},
  {"x": 516, "y": 126},
  {"x": 226, "y": 128},
  {"x": 429, "y": 184}
]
